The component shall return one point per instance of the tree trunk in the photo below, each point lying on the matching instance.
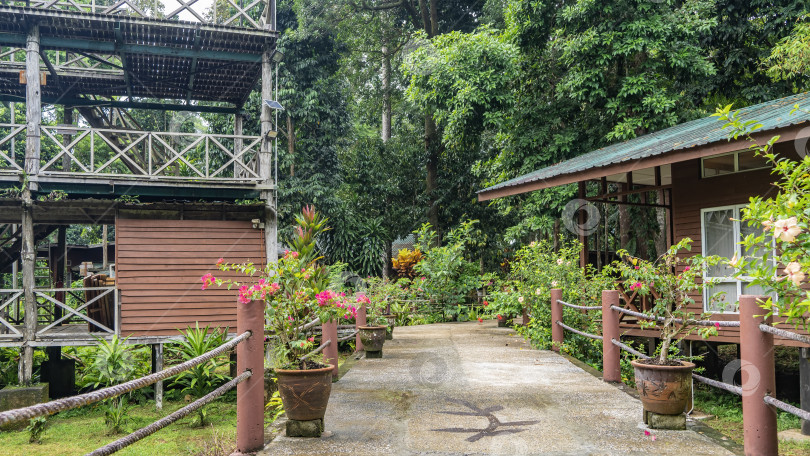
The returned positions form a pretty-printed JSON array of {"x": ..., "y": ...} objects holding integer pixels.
[
  {"x": 432, "y": 149},
  {"x": 661, "y": 216},
  {"x": 385, "y": 132},
  {"x": 291, "y": 144}
]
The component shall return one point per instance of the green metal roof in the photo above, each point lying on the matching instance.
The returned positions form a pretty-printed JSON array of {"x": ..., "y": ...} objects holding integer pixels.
[{"x": 772, "y": 115}]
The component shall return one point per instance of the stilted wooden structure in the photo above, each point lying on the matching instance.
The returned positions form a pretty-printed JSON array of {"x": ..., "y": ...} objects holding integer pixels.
[{"x": 103, "y": 60}]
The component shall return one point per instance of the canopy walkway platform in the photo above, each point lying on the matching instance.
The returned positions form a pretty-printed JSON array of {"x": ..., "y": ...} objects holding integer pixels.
[{"x": 470, "y": 388}]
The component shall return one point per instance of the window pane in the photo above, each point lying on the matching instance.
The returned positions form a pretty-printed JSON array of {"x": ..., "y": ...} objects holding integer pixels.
[
  {"x": 748, "y": 160},
  {"x": 719, "y": 233},
  {"x": 715, "y": 166},
  {"x": 745, "y": 230},
  {"x": 726, "y": 302},
  {"x": 756, "y": 290}
]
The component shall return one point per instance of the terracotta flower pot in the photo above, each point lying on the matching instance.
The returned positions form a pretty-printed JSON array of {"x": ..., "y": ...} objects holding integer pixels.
[
  {"x": 373, "y": 338},
  {"x": 664, "y": 389},
  {"x": 305, "y": 393}
]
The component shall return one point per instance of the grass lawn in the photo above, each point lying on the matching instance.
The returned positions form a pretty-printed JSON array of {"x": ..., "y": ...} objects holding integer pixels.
[
  {"x": 727, "y": 409},
  {"x": 78, "y": 432}
]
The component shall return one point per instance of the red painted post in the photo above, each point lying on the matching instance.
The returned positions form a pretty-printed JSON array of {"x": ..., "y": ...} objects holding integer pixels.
[
  {"x": 556, "y": 315},
  {"x": 359, "y": 321},
  {"x": 250, "y": 393},
  {"x": 758, "y": 379},
  {"x": 611, "y": 354},
  {"x": 330, "y": 353}
]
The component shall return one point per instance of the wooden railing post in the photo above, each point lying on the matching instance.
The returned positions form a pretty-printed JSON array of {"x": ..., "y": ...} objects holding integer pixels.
[
  {"x": 359, "y": 321},
  {"x": 611, "y": 354},
  {"x": 250, "y": 393},
  {"x": 329, "y": 331},
  {"x": 556, "y": 315},
  {"x": 758, "y": 379}
]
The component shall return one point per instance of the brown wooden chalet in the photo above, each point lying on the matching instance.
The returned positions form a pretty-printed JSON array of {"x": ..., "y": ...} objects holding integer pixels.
[
  {"x": 173, "y": 197},
  {"x": 693, "y": 171}
]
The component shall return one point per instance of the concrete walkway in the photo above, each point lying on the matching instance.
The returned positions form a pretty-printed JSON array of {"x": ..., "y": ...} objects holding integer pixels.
[{"x": 470, "y": 388}]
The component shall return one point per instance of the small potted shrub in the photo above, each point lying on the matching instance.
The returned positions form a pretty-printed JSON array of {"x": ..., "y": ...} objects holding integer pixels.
[
  {"x": 664, "y": 381},
  {"x": 373, "y": 334},
  {"x": 504, "y": 305},
  {"x": 293, "y": 291}
]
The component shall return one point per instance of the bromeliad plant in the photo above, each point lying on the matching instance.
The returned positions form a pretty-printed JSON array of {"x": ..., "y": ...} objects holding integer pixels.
[
  {"x": 671, "y": 280},
  {"x": 295, "y": 290}
]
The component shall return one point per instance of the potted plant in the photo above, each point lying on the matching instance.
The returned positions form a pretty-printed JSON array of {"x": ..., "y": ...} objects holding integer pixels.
[
  {"x": 504, "y": 305},
  {"x": 372, "y": 335},
  {"x": 664, "y": 381},
  {"x": 293, "y": 291}
]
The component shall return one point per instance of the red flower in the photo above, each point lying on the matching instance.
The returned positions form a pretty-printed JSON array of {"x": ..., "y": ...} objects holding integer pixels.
[
  {"x": 486, "y": 303},
  {"x": 500, "y": 317},
  {"x": 717, "y": 324},
  {"x": 480, "y": 320}
]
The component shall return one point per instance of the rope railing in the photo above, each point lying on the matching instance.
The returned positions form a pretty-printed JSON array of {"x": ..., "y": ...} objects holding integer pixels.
[
  {"x": 574, "y": 306},
  {"x": 576, "y": 331},
  {"x": 49, "y": 408},
  {"x": 146, "y": 431},
  {"x": 347, "y": 337},
  {"x": 723, "y": 323},
  {"x": 717, "y": 384},
  {"x": 784, "y": 334},
  {"x": 629, "y": 349},
  {"x": 770, "y": 400},
  {"x": 317, "y": 350}
]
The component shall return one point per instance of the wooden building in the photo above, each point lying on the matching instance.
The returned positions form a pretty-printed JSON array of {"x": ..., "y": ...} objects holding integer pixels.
[
  {"x": 694, "y": 173},
  {"x": 71, "y": 72}
]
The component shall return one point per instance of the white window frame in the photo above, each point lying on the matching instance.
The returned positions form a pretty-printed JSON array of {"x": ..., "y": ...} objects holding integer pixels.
[
  {"x": 738, "y": 250},
  {"x": 737, "y": 170}
]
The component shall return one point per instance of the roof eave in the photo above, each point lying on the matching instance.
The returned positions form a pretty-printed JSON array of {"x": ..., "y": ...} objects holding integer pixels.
[{"x": 788, "y": 133}]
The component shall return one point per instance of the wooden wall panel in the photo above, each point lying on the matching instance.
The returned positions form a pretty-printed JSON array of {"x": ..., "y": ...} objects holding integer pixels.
[
  {"x": 690, "y": 194},
  {"x": 158, "y": 268}
]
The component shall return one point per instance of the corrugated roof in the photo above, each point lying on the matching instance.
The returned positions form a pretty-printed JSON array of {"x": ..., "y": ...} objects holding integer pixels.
[{"x": 772, "y": 115}]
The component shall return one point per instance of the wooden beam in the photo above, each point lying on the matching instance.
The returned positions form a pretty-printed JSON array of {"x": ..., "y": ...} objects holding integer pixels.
[
  {"x": 266, "y": 159},
  {"x": 627, "y": 203},
  {"x": 628, "y": 192},
  {"x": 84, "y": 102}
]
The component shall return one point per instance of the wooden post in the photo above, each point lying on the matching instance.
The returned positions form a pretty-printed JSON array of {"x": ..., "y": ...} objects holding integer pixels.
[
  {"x": 157, "y": 366},
  {"x": 358, "y": 322},
  {"x": 59, "y": 268},
  {"x": 266, "y": 162},
  {"x": 238, "y": 120},
  {"x": 557, "y": 335},
  {"x": 758, "y": 380},
  {"x": 330, "y": 353},
  {"x": 583, "y": 238},
  {"x": 105, "y": 260},
  {"x": 804, "y": 385},
  {"x": 32, "y": 153},
  {"x": 250, "y": 393},
  {"x": 611, "y": 354}
]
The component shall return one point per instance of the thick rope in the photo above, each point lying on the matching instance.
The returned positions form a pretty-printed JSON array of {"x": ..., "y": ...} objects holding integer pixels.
[
  {"x": 576, "y": 331},
  {"x": 722, "y": 385},
  {"x": 317, "y": 350},
  {"x": 723, "y": 323},
  {"x": 629, "y": 349},
  {"x": 574, "y": 306},
  {"x": 803, "y": 414},
  {"x": 784, "y": 334},
  {"x": 68, "y": 403},
  {"x": 143, "y": 432}
]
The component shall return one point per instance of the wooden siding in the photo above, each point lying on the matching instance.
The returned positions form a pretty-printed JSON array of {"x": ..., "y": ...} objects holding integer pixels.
[
  {"x": 158, "y": 268},
  {"x": 690, "y": 194}
]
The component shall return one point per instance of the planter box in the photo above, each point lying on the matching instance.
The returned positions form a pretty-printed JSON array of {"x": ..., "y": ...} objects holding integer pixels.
[{"x": 14, "y": 397}]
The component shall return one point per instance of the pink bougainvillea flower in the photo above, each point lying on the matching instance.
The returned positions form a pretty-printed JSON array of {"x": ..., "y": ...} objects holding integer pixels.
[
  {"x": 636, "y": 267},
  {"x": 311, "y": 339},
  {"x": 207, "y": 280},
  {"x": 220, "y": 261},
  {"x": 786, "y": 229},
  {"x": 717, "y": 324},
  {"x": 686, "y": 269},
  {"x": 646, "y": 433},
  {"x": 794, "y": 273},
  {"x": 653, "y": 438}
]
